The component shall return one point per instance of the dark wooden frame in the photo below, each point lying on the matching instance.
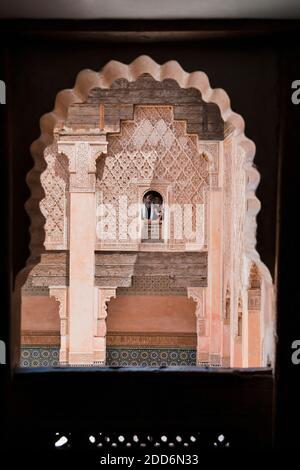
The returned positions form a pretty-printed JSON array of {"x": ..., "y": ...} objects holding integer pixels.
[{"x": 40, "y": 402}]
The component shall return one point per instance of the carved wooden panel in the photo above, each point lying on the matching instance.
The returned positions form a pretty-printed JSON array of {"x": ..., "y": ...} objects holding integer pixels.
[
  {"x": 117, "y": 269},
  {"x": 202, "y": 118},
  {"x": 52, "y": 270}
]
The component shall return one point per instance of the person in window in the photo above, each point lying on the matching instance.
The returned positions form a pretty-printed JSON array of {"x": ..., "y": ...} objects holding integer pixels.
[
  {"x": 148, "y": 209},
  {"x": 157, "y": 209}
]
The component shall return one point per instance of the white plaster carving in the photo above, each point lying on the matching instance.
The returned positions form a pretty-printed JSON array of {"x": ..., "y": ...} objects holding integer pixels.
[
  {"x": 82, "y": 157},
  {"x": 54, "y": 181},
  {"x": 156, "y": 148}
]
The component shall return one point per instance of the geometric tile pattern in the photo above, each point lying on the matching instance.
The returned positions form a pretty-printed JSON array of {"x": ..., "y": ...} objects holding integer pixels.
[
  {"x": 39, "y": 356},
  {"x": 150, "y": 357},
  {"x": 117, "y": 357}
]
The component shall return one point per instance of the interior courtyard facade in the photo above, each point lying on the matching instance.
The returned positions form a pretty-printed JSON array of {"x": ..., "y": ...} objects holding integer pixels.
[{"x": 143, "y": 228}]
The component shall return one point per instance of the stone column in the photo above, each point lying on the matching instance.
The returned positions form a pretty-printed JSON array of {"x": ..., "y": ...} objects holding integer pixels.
[
  {"x": 198, "y": 295},
  {"x": 60, "y": 295},
  {"x": 82, "y": 157},
  {"x": 245, "y": 338},
  {"x": 237, "y": 335},
  {"x": 214, "y": 302},
  {"x": 254, "y": 333},
  {"x": 225, "y": 347},
  {"x": 103, "y": 296}
]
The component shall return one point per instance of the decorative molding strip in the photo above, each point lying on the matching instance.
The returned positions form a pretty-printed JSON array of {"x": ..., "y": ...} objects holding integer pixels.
[
  {"x": 153, "y": 340},
  {"x": 177, "y": 270},
  {"x": 116, "y": 339},
  {"x": 40, "y": 338}
]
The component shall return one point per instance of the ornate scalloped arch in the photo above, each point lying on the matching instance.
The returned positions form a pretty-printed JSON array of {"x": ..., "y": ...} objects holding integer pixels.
[
  {"x": 113, "y": 70},
  {"x": 87, "y": 80}
]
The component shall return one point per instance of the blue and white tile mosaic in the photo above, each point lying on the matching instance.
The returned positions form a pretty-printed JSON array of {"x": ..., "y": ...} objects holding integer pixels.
[
  {"x": 144, "y": 357},
  {"x": 116, "y": 357},
  {"x": 39, "y": 356}
]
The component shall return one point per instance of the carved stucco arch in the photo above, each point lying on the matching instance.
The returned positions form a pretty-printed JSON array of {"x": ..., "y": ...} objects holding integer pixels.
[
  {"x": 151, "y": 188},
  {"x": 87, "y": 80}
]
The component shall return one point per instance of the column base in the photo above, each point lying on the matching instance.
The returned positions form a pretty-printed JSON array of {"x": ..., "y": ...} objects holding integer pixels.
[
  {"x": 225, "y": 361},
  {"x": 100, "y": 357},
  {"x": 214, "y": 360},
  {"x": 81, "y": 359},
  {"x": 63, "y": 357},
  {"x": 99, "y": 364},
  {"x": 202, "y": 358}
]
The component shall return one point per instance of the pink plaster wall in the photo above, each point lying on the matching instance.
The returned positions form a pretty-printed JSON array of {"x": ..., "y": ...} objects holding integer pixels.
[
  {"x": 141, "y": 313},
  {"x": 39, "y": 313},
  {"x": 254, "y": 339}
]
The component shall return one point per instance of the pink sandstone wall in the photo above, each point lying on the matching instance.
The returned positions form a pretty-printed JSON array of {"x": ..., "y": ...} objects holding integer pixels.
[
  {"x": 142, "y": 313},
  {"x": 136, "y": 313},
  {"x": 39, "y": 313},
  {"x": 254, "y": 339}
]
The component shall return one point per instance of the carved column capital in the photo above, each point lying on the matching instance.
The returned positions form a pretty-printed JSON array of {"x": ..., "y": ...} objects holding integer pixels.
[
  {"x": 60, "y": 295},
  {"x": 254, "y": 299},
  {"x": 82, "y": 157},
  {"x": 104, "y": 296},
  {"x": 197, "y": 295}
]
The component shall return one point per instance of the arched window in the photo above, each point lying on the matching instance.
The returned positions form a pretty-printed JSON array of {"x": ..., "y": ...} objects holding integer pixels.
[{"x": 152, "y": 216}]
